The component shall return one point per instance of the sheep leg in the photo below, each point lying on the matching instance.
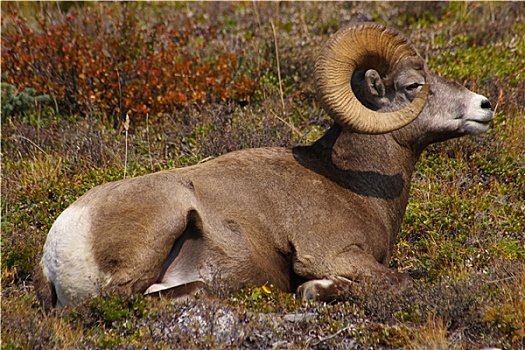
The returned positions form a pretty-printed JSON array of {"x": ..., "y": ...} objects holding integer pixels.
[{"x": 334, "y": 277}]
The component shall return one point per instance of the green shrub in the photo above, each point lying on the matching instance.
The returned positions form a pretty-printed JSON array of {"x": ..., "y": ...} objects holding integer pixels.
[{"x": 20, "y": 102}]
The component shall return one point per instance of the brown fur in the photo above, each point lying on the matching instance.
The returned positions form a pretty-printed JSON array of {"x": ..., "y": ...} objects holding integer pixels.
[{"x": 44, "y": 289}]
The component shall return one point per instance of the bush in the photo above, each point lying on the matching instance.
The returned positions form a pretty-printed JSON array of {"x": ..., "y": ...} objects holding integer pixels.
[
  {"x": 106, "y": 62},
  {"x": 20, "y": 103}
]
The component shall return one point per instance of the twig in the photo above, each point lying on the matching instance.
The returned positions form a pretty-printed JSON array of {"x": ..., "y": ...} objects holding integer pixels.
[
  {"x": 147, "y": 136},
  {"x": 256, "y": 11},
  {"x": 278, "y": 64},
  {"x": 500, "y": 98},
  {"x": 119, "y": 96},
  {"x": 501, "y": 280},
  {"x": 279, "y": 344},
  {"x": 331, "y": 336},
  {"x": 33, "y": 143},
  {"x": 291, "y": 126},
  {"x": 126, "y": 127},
  {"x": 206, "y": 159}
]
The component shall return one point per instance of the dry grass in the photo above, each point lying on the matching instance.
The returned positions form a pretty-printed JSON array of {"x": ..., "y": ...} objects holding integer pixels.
[{"x": 432, "y": 336}]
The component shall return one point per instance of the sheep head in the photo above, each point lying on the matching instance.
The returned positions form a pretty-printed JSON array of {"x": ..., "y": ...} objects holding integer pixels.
[{"x": 360, "y": 47}]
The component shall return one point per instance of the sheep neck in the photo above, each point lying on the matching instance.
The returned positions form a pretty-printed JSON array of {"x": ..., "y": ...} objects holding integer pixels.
[{"x": 375, "y": 167}]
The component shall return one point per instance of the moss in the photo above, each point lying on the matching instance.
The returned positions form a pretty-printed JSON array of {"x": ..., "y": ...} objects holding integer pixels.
[{"x": 482, "y": 62}]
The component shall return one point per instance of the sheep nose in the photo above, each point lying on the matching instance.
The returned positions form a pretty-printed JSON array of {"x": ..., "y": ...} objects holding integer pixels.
[{"x": 485, "y": 104}]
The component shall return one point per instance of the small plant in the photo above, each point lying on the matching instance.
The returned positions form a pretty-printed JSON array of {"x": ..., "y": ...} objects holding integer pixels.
[
  {"x": 110, "y": 310},
  {"x": 510, "y": 320},
  {"x": 508, "y": 316},
  {"x": 265, "y": 299},
  {"x": 16, "y": 102}
]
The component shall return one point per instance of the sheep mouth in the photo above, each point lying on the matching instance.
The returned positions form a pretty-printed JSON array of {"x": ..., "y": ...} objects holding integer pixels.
[
  {"x": 482, "y": 122},
  {"x": 476, "y": 126},
  {"x": 484, "y": 119}
]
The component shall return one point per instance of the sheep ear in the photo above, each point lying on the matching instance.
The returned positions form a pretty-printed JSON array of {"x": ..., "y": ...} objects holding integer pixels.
[{"x": 374, "y": 84}]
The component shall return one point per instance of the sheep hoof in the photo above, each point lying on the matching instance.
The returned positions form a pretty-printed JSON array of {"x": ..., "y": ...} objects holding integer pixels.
[{"x": 321, "y": 290}]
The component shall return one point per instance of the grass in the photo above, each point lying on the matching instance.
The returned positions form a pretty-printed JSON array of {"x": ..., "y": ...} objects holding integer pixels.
[{"x": 463, "y": 234}]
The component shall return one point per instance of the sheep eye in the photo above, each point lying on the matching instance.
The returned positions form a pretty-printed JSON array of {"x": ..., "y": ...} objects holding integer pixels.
[{"x": 413, "y": 86}]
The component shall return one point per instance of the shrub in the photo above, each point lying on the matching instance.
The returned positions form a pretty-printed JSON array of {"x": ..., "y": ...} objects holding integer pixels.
[
  {"x": 107, "y": 62},
  {"x": 19, "y": 102}
]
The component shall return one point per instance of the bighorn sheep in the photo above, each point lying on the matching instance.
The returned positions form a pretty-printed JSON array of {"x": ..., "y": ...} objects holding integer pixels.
[{"x": 310, "y": 219}]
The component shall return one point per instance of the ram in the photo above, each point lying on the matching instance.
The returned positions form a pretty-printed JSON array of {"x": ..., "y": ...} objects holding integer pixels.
[{"x": 308, "y": 219}]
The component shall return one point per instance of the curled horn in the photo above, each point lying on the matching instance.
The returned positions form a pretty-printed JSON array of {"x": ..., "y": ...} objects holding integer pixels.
[{"x": 356, "y": 47}]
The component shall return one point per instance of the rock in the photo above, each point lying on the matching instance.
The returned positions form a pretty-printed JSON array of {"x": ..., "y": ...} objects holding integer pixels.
[{"x": 299, "y": 317}]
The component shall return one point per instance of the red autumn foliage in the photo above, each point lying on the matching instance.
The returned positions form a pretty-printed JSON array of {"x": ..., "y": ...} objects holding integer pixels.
[{"x": 108, "y": 62}]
